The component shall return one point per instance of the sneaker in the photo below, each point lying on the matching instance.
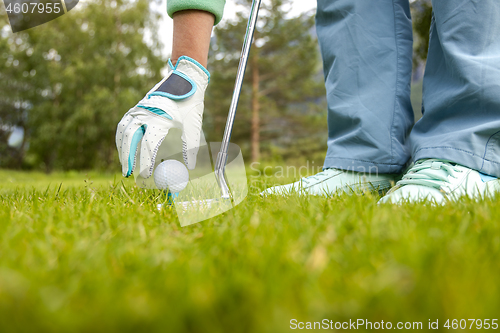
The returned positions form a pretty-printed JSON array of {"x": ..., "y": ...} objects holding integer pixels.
[
  {"x": 440, "y": 181},
  {"x": 332, "y": 181}
]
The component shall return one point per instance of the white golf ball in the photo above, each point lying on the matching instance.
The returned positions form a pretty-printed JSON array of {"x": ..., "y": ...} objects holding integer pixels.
[{"x": 171, "y": 175}]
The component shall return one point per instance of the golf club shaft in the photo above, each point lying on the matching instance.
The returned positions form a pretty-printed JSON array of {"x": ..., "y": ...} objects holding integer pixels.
[{"x": 220, "y": 164}]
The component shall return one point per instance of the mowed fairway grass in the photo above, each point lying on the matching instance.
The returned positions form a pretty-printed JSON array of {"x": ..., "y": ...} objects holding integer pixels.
[{"x": 89, "y": 253}]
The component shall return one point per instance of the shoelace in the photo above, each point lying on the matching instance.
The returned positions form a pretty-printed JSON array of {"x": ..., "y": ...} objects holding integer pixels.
[{"x": 432, "y": 173}]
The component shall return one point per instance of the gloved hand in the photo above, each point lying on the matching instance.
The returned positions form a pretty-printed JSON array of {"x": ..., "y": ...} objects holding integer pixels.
[{"x": 175, "y": 102}]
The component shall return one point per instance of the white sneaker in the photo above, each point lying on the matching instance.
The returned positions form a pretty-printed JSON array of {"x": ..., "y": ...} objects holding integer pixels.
[
  {"x": 332, "y": 181},
  {"x": 439, "y": 181}
]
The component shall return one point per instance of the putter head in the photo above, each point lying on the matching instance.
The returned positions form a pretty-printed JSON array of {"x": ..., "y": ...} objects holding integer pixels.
[
  {"x": 194, "y": 211},
  {"x": 220, "y": 175}
]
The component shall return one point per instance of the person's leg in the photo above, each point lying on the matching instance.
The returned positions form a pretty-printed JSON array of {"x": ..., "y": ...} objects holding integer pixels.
[
  {"x": 367, "y": 57},
  {"x": 461, "y": 98},
  {"x": 456, "y": 144},
  {"x": 366, "y": 48}
]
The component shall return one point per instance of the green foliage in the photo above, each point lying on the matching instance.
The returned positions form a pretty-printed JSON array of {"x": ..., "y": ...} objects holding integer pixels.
[
  {"x": 99, "y": 257},
  {"x": 421, "y": 17},
  {"x": 291, "y": 88},
  {"x": 416, "y": 99},
  {"x": 12, "y": 108},
  {"x": 73, "y": 78}
]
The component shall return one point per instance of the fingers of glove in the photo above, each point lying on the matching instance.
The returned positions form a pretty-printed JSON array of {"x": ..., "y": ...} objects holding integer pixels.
[
  {"x": 191, "y": 140},
  {"x": 149, "y": 147},
  {"x": 120, "y": 130},
  {"x": 131, "y": 139}
]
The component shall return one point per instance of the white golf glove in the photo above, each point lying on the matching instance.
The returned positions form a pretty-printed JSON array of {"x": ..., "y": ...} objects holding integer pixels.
[{"x": 175, "y": 102}]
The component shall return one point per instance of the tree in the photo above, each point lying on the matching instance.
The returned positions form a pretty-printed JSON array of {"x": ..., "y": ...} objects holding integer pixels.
[
  {"x": 72, "y": 79},
  {"x": 282, "y": 82},
  {"x": 421, "y": 16},
  {"x": 12, "y": 110}
]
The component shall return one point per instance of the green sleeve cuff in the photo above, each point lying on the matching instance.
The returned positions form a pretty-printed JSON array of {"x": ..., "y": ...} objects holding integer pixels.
[{"x": 215, "y": 7}]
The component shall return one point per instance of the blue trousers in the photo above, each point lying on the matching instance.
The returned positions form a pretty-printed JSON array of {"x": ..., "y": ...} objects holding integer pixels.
[{"x": 366, "y": 48}]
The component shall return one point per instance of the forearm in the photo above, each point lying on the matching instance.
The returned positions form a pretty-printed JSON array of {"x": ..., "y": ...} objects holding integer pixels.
[{"x": 192, "y": 31}]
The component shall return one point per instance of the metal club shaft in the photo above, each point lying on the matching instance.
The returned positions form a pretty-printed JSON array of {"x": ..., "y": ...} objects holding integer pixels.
[{"x": 220, "y": 164}]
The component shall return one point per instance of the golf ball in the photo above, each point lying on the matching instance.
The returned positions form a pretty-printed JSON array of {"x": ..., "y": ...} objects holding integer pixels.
[{"x": 171, "y": 175}]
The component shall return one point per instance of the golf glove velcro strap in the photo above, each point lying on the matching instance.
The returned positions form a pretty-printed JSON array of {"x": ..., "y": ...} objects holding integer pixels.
[
  {"x": 177, "y": 86},
  {"x": 175, "y": 102}
]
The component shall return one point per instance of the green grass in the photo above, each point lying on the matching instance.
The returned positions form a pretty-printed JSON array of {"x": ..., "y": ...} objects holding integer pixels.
[{"x": 94, "y": 255}]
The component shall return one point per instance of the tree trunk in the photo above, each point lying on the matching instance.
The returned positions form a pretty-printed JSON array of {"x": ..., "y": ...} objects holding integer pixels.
[{"x": 255, "y": 141}]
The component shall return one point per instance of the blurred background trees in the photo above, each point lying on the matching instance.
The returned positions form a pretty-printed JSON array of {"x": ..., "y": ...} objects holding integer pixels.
[
  {"x": 65, "y": 85},
  {"x": 283, "y": 94},
  {"x": 421, "y": 11}
]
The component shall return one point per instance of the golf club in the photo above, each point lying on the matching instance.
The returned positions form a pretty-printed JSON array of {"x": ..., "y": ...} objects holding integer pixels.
[{"x": 220, "y": 165}]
